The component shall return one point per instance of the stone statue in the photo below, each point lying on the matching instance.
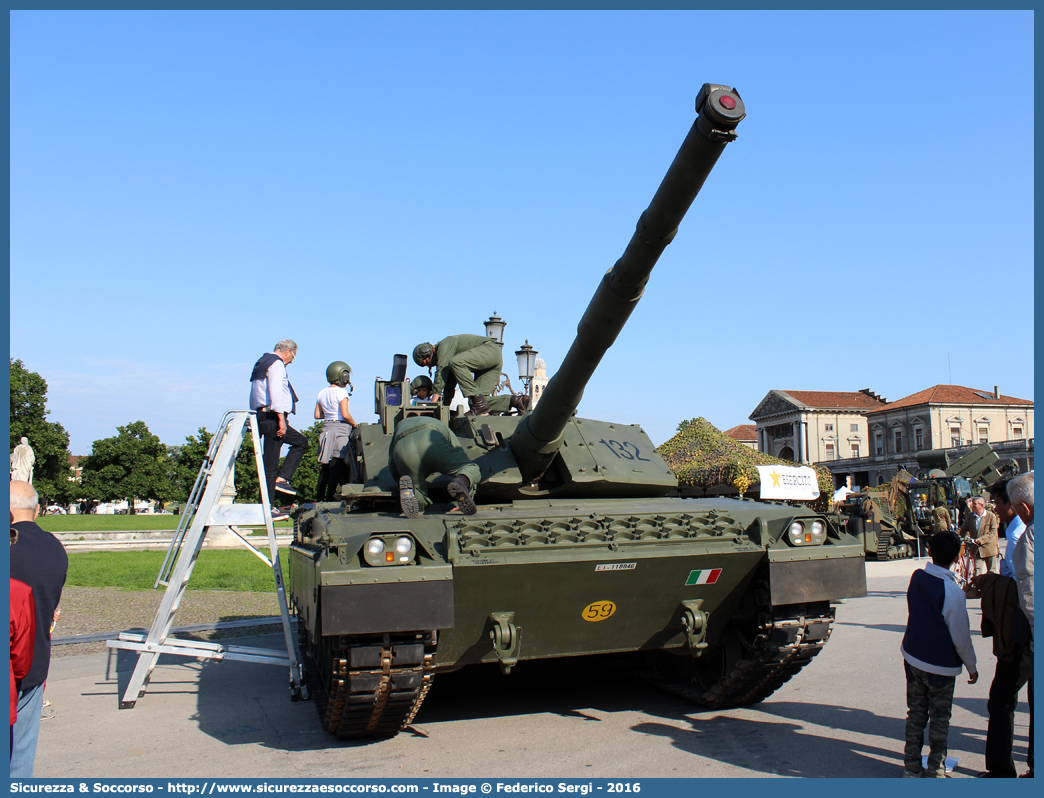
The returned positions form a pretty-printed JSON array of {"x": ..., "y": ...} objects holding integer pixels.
[{"x": 22, "y": 459}]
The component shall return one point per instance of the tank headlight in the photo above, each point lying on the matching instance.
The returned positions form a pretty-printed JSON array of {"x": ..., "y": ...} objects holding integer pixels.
[
  {"x": 797, "y": 533},
  {"x": 390, "y": 550},
  {"x": 807, "y": 533},
  {"x": 375, "y": 547}
]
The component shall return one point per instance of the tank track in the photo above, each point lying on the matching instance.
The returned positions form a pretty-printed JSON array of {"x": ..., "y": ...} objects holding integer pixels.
[
  {"x": 782, "y": 646},
  {"x": 884, "y": 540},
  {"x": 376, "y": 684}
]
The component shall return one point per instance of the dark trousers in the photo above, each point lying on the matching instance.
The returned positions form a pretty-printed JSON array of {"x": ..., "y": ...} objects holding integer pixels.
[
  {"x": 1009, "y": 679},
  {"x": 331, "y": 475},
  {"x": 268, "y": 426}
]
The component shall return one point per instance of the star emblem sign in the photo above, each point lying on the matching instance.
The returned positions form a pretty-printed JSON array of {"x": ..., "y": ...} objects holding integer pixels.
[{"x": 775, "y": 478}]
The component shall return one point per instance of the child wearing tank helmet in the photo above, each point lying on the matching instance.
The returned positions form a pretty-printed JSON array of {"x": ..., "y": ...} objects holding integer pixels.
[
  {"x": 421, "y": 390},
  {"x": 332, "y": 407}
]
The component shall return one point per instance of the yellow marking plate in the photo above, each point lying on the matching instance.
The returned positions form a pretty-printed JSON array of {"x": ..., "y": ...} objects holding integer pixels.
[{"x": 598, "y": 611}]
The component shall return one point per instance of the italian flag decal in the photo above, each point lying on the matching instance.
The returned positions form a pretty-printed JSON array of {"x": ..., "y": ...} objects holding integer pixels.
[{"x": 708, "y": 576}]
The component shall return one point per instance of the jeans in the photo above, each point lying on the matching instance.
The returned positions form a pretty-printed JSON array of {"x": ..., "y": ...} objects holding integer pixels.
[
  {"x": 929, "y": 698},
  {"x": 25, "y": 732}
]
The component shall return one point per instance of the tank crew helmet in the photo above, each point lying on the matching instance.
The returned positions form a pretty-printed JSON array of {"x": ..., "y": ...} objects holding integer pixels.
[
  {"x": 339, "y": 373},
  {"x": 422, "y": 352},
  {"x": 421, "y": 382}
]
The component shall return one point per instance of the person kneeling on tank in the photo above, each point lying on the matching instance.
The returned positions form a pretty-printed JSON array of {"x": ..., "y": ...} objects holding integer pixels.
[
  {"x": 473, "y": 362},
  {"x": 422, "y": 446}
]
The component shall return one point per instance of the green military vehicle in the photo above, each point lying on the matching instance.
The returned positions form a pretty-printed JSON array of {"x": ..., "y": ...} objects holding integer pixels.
[
  {"x": 896, "y": 522},
  {"x": 575, "y": 549}
]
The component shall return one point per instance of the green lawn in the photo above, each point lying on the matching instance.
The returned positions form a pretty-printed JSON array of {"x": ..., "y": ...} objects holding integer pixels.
[
  {"x": 115, "y": 523},
  {"x": 216, "y": 569}
]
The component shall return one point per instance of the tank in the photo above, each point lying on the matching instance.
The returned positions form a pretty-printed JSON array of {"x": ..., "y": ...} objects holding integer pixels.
[{"x": 576, "y": 549}]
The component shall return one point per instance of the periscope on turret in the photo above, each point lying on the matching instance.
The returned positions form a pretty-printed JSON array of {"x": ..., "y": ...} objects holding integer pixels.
[{"x": 575, "y": 548}]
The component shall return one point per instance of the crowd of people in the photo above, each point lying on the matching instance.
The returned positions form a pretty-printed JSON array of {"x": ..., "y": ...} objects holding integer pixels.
[
  {"x": 472, "y": 362},
  {"x": 937, "y": 644}
]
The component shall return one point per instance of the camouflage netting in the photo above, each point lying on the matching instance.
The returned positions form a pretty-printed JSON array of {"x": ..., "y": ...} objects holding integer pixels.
[
  {"x": 904, "y": 477},
  {"x": 702, "y": 456}
]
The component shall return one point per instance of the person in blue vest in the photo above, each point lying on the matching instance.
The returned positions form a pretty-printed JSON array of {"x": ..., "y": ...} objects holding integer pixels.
[{"x": 936, "y": 647}]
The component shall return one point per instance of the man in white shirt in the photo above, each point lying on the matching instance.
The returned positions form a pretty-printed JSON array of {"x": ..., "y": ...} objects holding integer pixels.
[{"x": 273, "y": 398}]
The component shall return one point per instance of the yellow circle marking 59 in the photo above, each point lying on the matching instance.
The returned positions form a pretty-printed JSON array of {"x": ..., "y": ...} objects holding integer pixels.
[{"x": 598, "y": 611}]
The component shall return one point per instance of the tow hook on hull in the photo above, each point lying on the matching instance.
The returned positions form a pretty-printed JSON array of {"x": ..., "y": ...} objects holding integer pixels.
[
  {"x": 506, "y": 639},
  {"x": 694, "y": 622}
]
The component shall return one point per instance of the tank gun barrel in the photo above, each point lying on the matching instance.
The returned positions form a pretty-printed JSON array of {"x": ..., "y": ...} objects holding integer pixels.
[{"x": 539, "y": 435}]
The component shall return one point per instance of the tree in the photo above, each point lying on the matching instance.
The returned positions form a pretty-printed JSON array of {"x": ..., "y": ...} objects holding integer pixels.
[
  {"x": 49, "y": 439},
  {"x": 247, "y": 486},
  {"x": 132, "y": 465},
  {"x": 306, "y": 478},
  {"x": 186, "y": 460}
]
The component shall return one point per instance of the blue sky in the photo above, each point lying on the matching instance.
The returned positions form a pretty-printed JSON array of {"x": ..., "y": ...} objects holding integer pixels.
[{"x": 188, "y": 188}]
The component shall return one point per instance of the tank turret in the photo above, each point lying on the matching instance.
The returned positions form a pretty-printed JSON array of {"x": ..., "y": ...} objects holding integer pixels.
[{"x": 540, "y": 435}]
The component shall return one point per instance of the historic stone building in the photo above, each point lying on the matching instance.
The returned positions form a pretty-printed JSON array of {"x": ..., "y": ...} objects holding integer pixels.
[
  {"x": 747, "y": 434},
  {"x": 941, "y": 417},
  {"x": 814, "y": 426}
]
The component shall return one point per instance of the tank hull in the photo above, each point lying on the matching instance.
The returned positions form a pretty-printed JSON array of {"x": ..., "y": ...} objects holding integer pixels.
[{"x": 542, "y": 579}]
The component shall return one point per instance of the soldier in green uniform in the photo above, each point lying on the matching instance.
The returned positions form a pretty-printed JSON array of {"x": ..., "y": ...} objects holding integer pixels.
[
  {"x": 473, "y": 362},
  {"x": 940, "y": 518},
  {"x": 421, "y": 446}
]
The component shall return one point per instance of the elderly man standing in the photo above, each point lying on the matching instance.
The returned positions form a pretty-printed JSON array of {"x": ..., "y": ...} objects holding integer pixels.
[
  {"x": 40, "y": 561},
  {"x": 1003, "y": 620},
  {"x": 273, "y": 398},
  {"x": 1020, "y": 491},
  {"x": 982, "y": 527}
]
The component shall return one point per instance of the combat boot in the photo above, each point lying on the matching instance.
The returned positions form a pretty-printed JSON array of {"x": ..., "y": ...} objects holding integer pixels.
[
  {"x": 479, "y": 406},
  {"x": 520, "y": 402},
  {"x": 408, "y": 499},
  {"x": 460, "y": 490}
]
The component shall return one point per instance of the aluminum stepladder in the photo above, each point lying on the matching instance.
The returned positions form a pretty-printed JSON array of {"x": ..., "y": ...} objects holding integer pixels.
[{"x": 201, "y": 512}]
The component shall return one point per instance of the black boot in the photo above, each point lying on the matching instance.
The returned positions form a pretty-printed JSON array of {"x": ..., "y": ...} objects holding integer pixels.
[
  {"x": 479, "y": 406},
  {"x": 408, "y": 499},
  {"x": 520, "y": 402},
  {"x": 460, "y": 490}
]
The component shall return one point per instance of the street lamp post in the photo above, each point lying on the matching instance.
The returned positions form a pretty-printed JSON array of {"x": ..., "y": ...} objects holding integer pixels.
[
  {"x": 495, "y": 328},
  {"x": 527, "y": 356}
]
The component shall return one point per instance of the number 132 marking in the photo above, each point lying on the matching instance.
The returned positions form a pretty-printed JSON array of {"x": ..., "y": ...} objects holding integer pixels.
[{"x": 625, "y": 450}]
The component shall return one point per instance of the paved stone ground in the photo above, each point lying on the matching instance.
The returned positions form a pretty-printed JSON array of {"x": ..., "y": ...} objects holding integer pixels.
[{"x": 842, "y": 716}]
